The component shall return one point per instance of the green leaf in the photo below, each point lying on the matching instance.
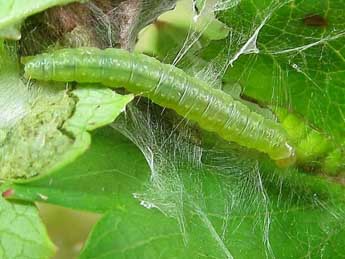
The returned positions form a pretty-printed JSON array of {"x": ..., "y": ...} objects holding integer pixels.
[
  {"x": 221, "y": 214},
  {"x": 210, "y": 211},
  {"x": 22, "y": 232},
  {"x": 95, "y": 108},
  {"x": 103, "y": 178},
  {"x": 144, "y": 233},
  {"x": 13, "y": 12},
  {"x": 296, "y": 64}
]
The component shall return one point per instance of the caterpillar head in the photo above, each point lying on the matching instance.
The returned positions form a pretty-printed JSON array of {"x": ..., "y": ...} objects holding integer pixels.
[{"x": 289, "y": 160}]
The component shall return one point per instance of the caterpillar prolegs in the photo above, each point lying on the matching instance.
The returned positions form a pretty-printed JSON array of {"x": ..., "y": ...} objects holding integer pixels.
[{"x": 169, "y": 87}]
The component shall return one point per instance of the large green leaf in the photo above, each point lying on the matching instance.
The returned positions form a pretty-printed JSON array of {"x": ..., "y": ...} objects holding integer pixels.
[
  {"x": 105, "y": 177},
  {"x": 223, "y": 209},
  {"x": 298, "y": 57},
  {"x": 22, "y": 232},
  {"x": 228, "y": 206},
  {"x": 140, "y": 233}
]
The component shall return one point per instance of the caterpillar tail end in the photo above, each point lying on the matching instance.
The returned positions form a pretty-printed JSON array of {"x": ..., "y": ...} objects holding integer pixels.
[{"x": 289, "y": 159}]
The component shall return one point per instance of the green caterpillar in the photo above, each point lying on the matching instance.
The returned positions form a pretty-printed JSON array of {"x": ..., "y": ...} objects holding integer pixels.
[{"x": 169, "y": 87}]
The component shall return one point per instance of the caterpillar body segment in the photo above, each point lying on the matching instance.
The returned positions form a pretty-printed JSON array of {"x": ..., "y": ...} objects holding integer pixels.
[{"x": 169, "y": 87}]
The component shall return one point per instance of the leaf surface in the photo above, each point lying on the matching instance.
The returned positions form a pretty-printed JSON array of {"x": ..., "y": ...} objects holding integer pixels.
[{"x": 23, "y": 235}]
